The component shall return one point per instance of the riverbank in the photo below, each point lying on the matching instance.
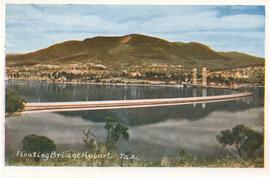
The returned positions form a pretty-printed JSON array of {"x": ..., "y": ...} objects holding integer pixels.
[{"x": 147, "y": 83}]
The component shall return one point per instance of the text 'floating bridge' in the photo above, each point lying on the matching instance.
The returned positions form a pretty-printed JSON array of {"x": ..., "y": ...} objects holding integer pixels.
[{"x": 119, "y": 104}]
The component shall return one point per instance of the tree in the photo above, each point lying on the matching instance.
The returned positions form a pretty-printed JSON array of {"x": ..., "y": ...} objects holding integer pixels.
[
  {"x": 115, "y": 131},
  {"x": 13, "y": 102},
  {"x": 245, "y": 140},
  {"x": 38, "y": 144}
]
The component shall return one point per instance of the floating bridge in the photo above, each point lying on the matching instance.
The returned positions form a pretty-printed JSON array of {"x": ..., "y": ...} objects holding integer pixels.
[{"x": 119, "y": 104}]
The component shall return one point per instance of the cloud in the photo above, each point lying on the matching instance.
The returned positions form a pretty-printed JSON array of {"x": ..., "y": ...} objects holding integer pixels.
[
  {"x": 39, "y": 26},
  {"x": 209, "y": 21},
  {"x": 251, "y": 42}
]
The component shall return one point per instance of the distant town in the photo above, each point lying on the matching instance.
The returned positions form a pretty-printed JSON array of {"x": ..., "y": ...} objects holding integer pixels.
[{"x": 153, "y": 74}]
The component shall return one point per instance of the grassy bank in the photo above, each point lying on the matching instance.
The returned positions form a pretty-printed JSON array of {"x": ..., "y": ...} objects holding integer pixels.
[{"x": 165, "y": 162}]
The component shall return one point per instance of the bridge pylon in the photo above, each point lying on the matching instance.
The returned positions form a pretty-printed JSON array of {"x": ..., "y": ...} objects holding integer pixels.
[
  {"x": 204, "y": 76},
  {"x": 194, "y": 76}
]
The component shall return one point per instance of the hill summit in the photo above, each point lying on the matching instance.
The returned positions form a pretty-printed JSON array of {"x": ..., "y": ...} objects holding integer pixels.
[{"x": 133, "y": 49}]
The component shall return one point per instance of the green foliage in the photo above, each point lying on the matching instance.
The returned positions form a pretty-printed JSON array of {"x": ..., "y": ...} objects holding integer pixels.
[
  {"x": 255, "y": 141},
  {"x": 245, "y": 140},
  {"x": 13, "y": 102},
  {"x": 115, "y": 131},
  {"x": 39, "y": 144},
  {"x": 226, "y": 138}
]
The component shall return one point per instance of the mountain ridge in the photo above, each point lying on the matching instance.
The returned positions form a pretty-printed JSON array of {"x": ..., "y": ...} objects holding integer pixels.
[{"x": 133, "y": 49}]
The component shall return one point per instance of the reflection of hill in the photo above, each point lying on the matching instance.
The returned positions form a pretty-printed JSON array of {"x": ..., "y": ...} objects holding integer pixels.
[
  {"x": 142, "y": 116},
  {"x": 42, "y": 91}
]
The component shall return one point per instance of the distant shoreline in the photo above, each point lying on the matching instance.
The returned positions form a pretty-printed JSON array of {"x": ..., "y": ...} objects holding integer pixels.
[
  {"x": 102, "y": 83},
  {"x": 140, "y": 84}
]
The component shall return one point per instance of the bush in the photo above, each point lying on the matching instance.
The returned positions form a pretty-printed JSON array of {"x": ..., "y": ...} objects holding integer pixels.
[
  {"x": 39, "y": 144},
  {"x": 13, "y": 102}
]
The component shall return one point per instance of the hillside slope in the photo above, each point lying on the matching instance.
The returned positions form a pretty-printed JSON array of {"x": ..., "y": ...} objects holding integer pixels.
[{"x": 133, "y": 49}]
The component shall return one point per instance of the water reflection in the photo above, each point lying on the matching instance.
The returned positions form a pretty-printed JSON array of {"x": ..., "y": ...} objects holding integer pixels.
[
  {"x": 155, "y": 132},
  {"x": 152, "y": 140},
  {"x": 194, "y": 94},
  {"x": 32, "y": 90},
  {"x": 204, "y": 93}
]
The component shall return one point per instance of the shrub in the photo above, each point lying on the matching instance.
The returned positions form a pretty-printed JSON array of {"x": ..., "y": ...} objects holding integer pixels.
[
  {"x": 13, "y": 102},
  {"x": 39, "y": 144}
]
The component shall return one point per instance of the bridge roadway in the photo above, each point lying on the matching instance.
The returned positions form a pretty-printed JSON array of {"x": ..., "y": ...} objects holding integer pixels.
[{"x": 118, "y": 104}]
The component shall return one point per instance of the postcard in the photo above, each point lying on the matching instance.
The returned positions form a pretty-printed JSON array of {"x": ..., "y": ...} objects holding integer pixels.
[{"x": 135, "y": 85}]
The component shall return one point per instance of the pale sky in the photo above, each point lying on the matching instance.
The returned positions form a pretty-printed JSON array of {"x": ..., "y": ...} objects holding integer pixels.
[{"x": 223, "y": 28}]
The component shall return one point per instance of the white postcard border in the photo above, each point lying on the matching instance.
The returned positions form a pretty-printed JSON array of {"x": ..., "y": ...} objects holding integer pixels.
[{"x": 83, "y": 172}]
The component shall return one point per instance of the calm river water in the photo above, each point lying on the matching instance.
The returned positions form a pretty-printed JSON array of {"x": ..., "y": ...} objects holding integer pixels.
[{"x": 154, "y": 132}]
